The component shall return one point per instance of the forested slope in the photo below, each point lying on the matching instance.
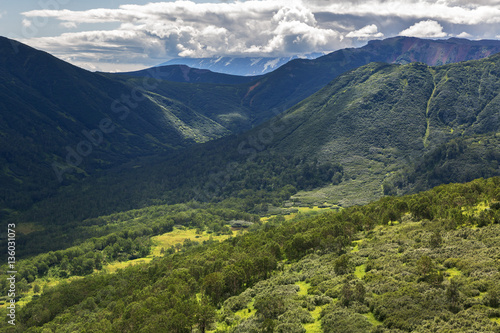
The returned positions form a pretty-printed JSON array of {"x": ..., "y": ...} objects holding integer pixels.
[
  {"x": 422, "y": 263},
  {"x": 364, "y": 133}
]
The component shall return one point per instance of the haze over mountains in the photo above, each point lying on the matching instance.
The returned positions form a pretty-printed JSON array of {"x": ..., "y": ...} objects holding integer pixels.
[
  {"x": 183, "y": 73},
  {"x": 397, "y": 50},
  {"x": 244, "y": 66}
]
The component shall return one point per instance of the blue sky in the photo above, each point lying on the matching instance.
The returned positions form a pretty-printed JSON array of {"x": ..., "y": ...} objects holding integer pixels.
[{"x": 115, "y": 35}]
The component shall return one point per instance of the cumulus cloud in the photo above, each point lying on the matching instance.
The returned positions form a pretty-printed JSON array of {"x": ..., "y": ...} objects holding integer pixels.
[
  {"x": 188, "y": 29},
  {"x": 369, "y": 31},
  {"x": 438, "y": 10},
  {"x": 146, "y": 34},
  {"x": 424, "y": 29}
]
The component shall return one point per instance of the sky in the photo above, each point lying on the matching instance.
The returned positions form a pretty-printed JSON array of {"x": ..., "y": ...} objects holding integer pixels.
[{"x": 118, "y": 35}]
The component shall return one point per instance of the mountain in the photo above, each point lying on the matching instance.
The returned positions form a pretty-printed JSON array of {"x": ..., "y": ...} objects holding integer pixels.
[
  {"x": 423, "y": 262},
  {"x": 273, "y": 93},
  {"x": 60, "y": 123},
  {"x": 243, "y": 66},
  {"x": 376, "y": 130},
  {"x": 187, "y": 219},
  {"x": 57, "y": 105},
  {"x": 183, "y": 73},
  {"x": 300, "y": 78},
  {"x": 375, "y": 119}
]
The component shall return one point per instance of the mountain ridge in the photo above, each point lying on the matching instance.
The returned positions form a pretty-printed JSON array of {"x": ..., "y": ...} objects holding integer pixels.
[
  {"x": 170, "y": 116},
  {"x": 184, "y": 73},
  {"x": 347, "y": 144},
  {"x": 244, "y": 66}
]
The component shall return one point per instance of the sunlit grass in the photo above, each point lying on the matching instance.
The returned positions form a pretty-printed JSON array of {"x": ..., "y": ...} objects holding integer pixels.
[
  {"x": 475, "y": 210},
  {"x": 301, "y": 211},
  {"x": 452, "y": 272},
  {"x": 316, "y": 326},
  {"x": 114, "y": 266},
  {"x": 371, "y": 318},
  {"x": 360, "y": 271},
  {"x": 246, "y": 312},
  {"x": 165, "y": 241},
  {"x": 304, "y": 287},
  {"x": 177, "y": 236},
  {"x": 495, "y": 320},
  {"x": 356, "y": 247}
]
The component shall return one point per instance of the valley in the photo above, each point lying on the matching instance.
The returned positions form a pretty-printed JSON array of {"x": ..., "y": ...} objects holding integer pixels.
[{"x": 355, "y": 192}]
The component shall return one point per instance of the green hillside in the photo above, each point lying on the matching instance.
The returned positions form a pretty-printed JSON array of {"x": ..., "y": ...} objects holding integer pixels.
[
  {"x": 60, "y": 123},
  {"x": 47, "y": 106},
  {"x": 421, "y": 263},
  {"x": 300, "y": 78},
  {"x": 380, "y": 118},
  {"x": 374, "y": 131}
]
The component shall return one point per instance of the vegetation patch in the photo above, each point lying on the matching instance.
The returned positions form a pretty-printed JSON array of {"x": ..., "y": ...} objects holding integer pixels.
[
  {"x": 360, "y": 271},
  {"x": 27, "y": 228},
  {"x": 453, "y": 272},
  {"x": 304, "y": 287},
  {"x": 178, "y": 236},
  {"x": 371, "y": 318},
  {"x": 315, "y": 327}
]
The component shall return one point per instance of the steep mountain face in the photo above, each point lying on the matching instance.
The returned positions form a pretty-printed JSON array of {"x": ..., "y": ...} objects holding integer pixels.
[
  {"x": 379, "y": 129},
  {"x": 262, "y": 97},
  {"x": 183, "y": 73},
  {"x": 243, "y": 66},
  {"x": 59, "y": 121},
  {"x": 375, "y": 119},
  {"x": 300, "y": 78},
  {"x": 407, "y": 108}
]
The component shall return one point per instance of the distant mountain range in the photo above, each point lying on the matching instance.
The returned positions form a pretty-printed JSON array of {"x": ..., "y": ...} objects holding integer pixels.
[
  {"x": 243, "y": 66},
  {"x": 183, "y": 73},
  {"x": 273, "y": 93}
]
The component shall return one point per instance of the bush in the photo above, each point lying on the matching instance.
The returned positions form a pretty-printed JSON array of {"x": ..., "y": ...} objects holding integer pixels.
[
  {"x": 289, "y": 328},
  {"x": 342, "y": 265},
  {"x": 296, "y": 315},
  {"x": 336, "y": 320},
  {"x": 236, "y": 303}
]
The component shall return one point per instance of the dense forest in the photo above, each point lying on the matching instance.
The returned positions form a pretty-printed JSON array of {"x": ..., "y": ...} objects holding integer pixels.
[{"x": 424, "y": 263}]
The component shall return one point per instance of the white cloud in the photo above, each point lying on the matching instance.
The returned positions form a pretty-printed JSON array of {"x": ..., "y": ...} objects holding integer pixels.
[
  {"x": 443, "y": 10},
  {"x": 424, "y": 29},
  {"x": 155, "y": 31},
  {"x": 69, "y": 25},
  {"x": 369, "y": 31},
  {"x": 26, "y": 23},
  {"x": 184, "y": 28}
]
